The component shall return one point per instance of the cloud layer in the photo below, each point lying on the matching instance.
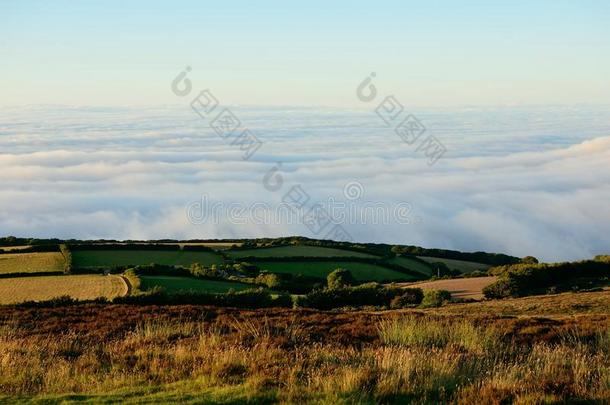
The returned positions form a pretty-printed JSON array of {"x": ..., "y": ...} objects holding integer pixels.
[{"x": 521, "y": 181}]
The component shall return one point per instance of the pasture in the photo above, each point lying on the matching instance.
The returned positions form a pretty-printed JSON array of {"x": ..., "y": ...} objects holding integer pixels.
[
  {"x": 173, "y": 284},
  {"x": 412, "y": 264},
  {"x": 360, "y": 271},
  {"x": 39, "y": 288},
  {"x": 462, "y": 266},
  {"x": 296, "y": 250},
  {"x": 105, "y": 258},
  {"x": 31, "y": 262}
]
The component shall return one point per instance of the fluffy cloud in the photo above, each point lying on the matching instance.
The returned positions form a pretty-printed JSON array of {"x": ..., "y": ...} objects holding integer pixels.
[{"x": 520, "y": 181}]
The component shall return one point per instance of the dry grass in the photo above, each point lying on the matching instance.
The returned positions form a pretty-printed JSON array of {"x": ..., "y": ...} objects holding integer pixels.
[
  {"x": 471, "y": 288},
  {"x": 31, "y": 262},
  {"x": 189, "y": 361},
  {"x": 541, "y": 305},
  {"x": 19, "y": 289}
]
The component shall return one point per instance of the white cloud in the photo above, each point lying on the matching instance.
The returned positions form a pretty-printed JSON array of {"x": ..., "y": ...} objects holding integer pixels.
[{"x": 526, "y": 182}]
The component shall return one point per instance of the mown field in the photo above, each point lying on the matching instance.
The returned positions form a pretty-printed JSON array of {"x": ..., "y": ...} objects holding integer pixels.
[
  {"x": 471, "y": 288},
  {"x": 105, "y": 258},
  {"x": 31, "y": 262},
  {"x": 297, "y": 250},
  {"x": 460, "y": 265},
  {"x": 84, "y": 287},
  {"x": 412, "y": 264},
  {"x": 360, "y": 271},
  {"x": 197, "y": 354},
  {"x": 173, "y": 284}
]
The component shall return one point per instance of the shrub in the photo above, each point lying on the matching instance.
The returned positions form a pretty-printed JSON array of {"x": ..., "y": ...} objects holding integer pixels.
[
  {"x": 411, "y": 297},
  {"x": 340, "y": 278},
  {"x": 502, "y": 288},
  {"x": 526, "y": 279},
  {"x": 370, "y": 294},
  {"x": 435, "y": 298},
  {"x": 65, "y": 252},
  {"x": 529, "y": 260},
  {"x": 271, "y": 280}
]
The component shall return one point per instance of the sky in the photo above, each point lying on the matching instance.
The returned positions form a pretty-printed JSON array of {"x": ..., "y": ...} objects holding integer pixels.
[
  {"x": 95, "y": 141},
  {"x": 429, "y": 53}
]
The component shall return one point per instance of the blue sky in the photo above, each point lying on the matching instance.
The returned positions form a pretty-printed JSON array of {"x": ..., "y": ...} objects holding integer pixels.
[{"x": 441, "y": 53}]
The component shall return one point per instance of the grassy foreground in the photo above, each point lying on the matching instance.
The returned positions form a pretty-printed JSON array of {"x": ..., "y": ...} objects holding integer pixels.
[{"x": 206, "y": 355}]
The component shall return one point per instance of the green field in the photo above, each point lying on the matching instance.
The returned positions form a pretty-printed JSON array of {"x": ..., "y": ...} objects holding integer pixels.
[
  {"x": 297, "y": 250},
  {"x": 174, "y": 284},
  {"x": 360, "y": 271},
  {"x": 460, "y": 265},
  {"x": 31, "y": 262},
  {"x": 103, "y": 258},
  {"x": 412, "y": 264}
]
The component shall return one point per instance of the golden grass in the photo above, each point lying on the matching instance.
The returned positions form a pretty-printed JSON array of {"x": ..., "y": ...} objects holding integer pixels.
[
  {"x": 31, "y": 262},
  {"x": 540, "y": 305},
  {"x": 182, "y": 359},
  {"x": 19, "y": 289}
]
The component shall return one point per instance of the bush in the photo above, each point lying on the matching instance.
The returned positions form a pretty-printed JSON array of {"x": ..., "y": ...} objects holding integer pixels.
[
  {"x": 340, "y": 278},
  {"x": 435, "y": 298},
  {"x": 252, "y": 298},
  {"x": 270, "y": 280},
  {"x": 526, "y": 279},
  {"x": 370, "y": 294},
  {"x": 502, "y": 288},
  {"x": 529, "y": 260},
  {"x": 65, "y": 252},
  {"x": 411, "y": 297}
]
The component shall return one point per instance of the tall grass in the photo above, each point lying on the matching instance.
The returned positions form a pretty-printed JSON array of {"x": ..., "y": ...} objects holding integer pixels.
[
  {"x": 427, "y": 333},
  {"x": 417, "y": 360}
]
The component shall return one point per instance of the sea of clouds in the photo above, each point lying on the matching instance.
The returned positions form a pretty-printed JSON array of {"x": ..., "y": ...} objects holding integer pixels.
[{"x": 515, "y": 180}]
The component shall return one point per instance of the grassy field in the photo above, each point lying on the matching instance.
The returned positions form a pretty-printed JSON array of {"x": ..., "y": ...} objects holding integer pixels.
[
  {"x": 360, "y": 271},
  {"x": 19, "y": 289},
  {"x": 193, "y": 354},
  {"x": 460, "y": 265},
  {"x": 31, "y": 262},
  {"x": 298, "y": 250},
  {"x": 412, "y": 264},
  {"x": 173, "y": 284},
  {"x": 102, "y": 258}
]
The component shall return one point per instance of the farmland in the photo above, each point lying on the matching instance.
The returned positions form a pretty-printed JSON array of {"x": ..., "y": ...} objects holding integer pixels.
[
  {"x": 174, "y": 284},
  {"x": 459, "y": 288},
  {"x": 303, "y": 338},
  {"x": 105, "y": 258},
  {"x": 297, "y": 250},
  {"x": 462, "y": 266},
  {"x": 412, "y": 264},
  {"x": 360, "y": 271},
  {"x": 84, "y": 287},
  {"x": 31, "y": 262}
]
